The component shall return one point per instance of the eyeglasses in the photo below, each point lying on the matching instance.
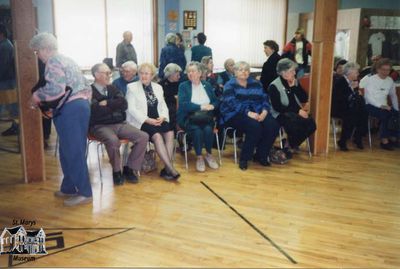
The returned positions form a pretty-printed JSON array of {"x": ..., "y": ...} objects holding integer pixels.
[{"x": 108, "y": 73}]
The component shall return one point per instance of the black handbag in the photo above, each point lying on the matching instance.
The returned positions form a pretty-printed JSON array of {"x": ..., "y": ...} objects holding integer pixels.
[{"x": 201, "y": 117}]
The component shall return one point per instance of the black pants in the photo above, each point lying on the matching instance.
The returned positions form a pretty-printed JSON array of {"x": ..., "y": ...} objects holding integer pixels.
[
  {"x": 355, "y": 119},
  {"x": 296, "y": 127},
  {"x": 260, "y": 135},
  {"x": 46, "y": 128}
]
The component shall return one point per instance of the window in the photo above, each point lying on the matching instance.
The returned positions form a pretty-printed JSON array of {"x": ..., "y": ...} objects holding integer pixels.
[
  {"x": 89, "y": 31},
  {"x": 237, "y": 28}
]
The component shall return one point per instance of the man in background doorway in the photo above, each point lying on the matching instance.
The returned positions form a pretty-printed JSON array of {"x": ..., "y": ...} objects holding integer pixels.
[{"x": 125, "y": 50}]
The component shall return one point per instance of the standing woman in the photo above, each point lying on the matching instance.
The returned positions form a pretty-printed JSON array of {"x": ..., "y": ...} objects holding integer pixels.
[
  {"x": 268, "y": 73},
  {"x": 148, "y": 112},
  {"x": 73, "y": 120},
  {"x": 197, "y": 106}
]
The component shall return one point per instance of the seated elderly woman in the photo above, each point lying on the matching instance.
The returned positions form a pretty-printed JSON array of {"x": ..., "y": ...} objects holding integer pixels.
[
  {"x": 197, "y": 105},
  {"x": 128, "y": 75},
  {"x": 245, "y": 107},
  {"x": 349, "y": 105},
  {"x": 170, "y": 85},
  {"x": 229, "y": 73},
  {"x": 148, "y": 111},
  {"x": 290, "y": 105},
  {"x": 210, "y": 76},
  {"x": 171, "y": 54}
]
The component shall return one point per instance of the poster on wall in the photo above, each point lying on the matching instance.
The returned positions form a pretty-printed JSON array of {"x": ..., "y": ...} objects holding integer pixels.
[
  {"x": 190, "y": 20},
  {"x": 385, "y": 43},
  {"x": 342, "y": 44}
]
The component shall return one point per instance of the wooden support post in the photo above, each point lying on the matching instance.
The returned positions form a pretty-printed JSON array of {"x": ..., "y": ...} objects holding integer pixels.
[
  {"x": 325, "y": 14},
  {"x": 27, "y": 75}
]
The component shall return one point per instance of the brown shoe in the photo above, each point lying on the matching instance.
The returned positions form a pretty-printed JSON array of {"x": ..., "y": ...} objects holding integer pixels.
[{"x": 78, "y": 200}]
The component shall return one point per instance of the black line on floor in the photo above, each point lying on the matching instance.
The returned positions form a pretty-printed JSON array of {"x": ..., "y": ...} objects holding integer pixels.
[
  {"x": 251, "y": 224},
  {"x": 79, "y": 245},
  {"x": 85, "y": 228}
]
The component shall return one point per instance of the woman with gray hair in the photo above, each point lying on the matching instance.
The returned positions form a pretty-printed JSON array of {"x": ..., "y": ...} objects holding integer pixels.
[
  {"x": 197, "y": 106},
  {"x": 170, "y": 85},
  {"x": 245, "y": 107},
  {"x": 349, "y": 106},
  {"x": 171, "y": 54},
  {"x": 71, "y": 119},
  {"x": 290, "y": 105}
]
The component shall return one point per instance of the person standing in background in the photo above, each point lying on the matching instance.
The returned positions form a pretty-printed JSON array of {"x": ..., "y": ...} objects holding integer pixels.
[
  {"x": 268, "y": 73},
  {"x": 298, "y": 50},
  {"x": 199, "y": 51},
  {"x": 125, "y": 50}
]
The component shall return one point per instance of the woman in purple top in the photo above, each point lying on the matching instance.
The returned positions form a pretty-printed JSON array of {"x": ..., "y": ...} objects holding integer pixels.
[{"x": 71, "y": 120}]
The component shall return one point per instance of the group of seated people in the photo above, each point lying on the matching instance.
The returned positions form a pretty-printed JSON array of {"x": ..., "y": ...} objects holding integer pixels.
[
  {"x": 355, "y": 98},
  {"x": 136, "y": 108}
]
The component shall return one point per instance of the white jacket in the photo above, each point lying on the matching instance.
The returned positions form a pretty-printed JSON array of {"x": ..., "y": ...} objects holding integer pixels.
[{"x": 137, "y": 103}]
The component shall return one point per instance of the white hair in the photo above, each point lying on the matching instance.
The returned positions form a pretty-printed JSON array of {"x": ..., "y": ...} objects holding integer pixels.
[{"x": 44, "y": 41}]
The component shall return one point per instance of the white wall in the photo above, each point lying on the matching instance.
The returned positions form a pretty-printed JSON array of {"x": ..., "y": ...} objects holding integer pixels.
[
  {"x": 349, "y": 19},
  {"x": 44, "y": 15}
]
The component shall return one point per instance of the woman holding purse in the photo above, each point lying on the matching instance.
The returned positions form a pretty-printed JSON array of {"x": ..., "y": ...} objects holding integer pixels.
[{"x": 197, "y": 104}]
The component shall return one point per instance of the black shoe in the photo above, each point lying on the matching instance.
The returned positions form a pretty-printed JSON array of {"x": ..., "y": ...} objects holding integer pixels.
[
  {"x": 386, "y": 146},
  {"x": 129, "y": 175},
  {"x": 342, "y": 146},
  {"x": 262, "y": 161},
  {"x": 288, "y": 153},
  {"x": 394, "y": 144},
  {"x": 118, "y": 178},
  {"x": 243, "y": 165},
  {"x": 359, "y": 144},
  {"x": 168, "y": 176},
  {"x": 13, "y": 130}
]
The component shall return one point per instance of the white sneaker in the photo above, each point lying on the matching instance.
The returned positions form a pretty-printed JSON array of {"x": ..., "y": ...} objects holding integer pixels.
[
  {"x": 200, "y": 165},
  {"x": 211, "y": 162}
]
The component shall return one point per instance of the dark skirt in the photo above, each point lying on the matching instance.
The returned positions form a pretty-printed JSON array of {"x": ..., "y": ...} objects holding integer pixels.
[{"x": 151, "y": 129}]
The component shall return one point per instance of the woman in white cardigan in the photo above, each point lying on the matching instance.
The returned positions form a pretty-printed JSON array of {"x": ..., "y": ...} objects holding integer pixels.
[{"x": 148, "y": 111}]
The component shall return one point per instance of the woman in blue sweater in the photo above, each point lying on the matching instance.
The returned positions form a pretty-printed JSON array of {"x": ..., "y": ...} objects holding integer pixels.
[
  {"x": 197, "y": 104},
  {"x": 245, "y": 107}
]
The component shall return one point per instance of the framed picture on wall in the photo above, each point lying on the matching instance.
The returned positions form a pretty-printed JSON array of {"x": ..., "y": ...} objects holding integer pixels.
[{"x": 190, "y": 20}]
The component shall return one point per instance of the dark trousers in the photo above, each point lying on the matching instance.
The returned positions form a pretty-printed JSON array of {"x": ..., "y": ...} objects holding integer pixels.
[
  {"x": 296, "y": 127},
  {"x": 259, "y": 135},
  {"x": 201, "y": 135},
  {"x": 383, "y": 115},
  {"x": 357, "y": 120},
  {"x": 72, "y": 125},
  {"x": 46, "y": 128}
]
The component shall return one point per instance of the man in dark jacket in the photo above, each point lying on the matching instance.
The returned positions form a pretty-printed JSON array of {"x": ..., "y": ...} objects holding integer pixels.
[
  {"x": 108, "y": 125},
  {"x": 349, "y": 105},
  {"x": 199, "y": 51}
]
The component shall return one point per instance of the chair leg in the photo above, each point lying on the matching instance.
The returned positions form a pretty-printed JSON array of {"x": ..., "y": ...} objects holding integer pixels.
[
  {"x": 235, "y": 145},
  {"x": 224, "y": 139},
  {"x": 56, "y": 148},
  {"x": 309, "y": 147},
  {"x": 98, "y": 160},
  {"x": 125, "y": 154},
  {"x": 369, "y": 133},
  {"x": 281, "y": 137},
  {"x": 186, "y": 153},
  {"x": 334, "y": 133},
  {"x": 219, "y": 150}
]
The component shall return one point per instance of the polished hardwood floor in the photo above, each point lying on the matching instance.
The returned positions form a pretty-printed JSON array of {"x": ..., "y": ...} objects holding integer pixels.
[{"x": 339, "y": 211}]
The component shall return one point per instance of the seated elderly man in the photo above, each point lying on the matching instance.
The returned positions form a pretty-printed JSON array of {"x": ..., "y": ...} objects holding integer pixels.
[
  {"x": 128, "y": 75},
  {"x": 108, "y": 125}
]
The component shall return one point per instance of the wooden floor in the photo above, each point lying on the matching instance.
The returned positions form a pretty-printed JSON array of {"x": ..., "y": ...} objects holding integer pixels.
[{"x": 340, "y": 211}]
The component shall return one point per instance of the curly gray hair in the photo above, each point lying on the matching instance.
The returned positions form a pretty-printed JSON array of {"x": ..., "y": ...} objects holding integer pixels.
[
  {"x": 171, "y": 69},
  {"x": 284, "y": 65},
  {"x": 170, "y": 38},
  {"x": 44, "y": 41}
]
